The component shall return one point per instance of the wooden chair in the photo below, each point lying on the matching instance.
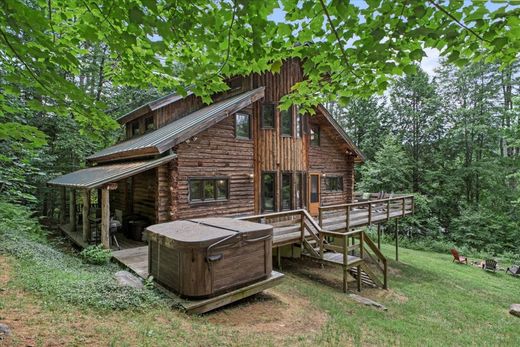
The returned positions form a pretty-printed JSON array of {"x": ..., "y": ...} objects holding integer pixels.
[
  {"x": 514, "y": 270},
  {"x": 490, "y": 265},
  {"x": 458, "y": 258}
]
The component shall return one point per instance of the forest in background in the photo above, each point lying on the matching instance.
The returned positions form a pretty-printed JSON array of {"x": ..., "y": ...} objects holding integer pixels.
[{"x": 454, "y": 140}]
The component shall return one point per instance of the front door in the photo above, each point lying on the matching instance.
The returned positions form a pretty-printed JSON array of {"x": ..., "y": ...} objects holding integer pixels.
[{"x": 314, "y": 194}]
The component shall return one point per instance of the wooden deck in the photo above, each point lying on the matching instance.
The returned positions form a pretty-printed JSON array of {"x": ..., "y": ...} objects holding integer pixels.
[
  {"x": 77, "y": 238},
  {"x": 136, "y": 259}
]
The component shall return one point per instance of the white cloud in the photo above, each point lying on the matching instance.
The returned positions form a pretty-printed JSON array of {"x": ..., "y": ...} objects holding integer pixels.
[{"x": 431, "y": 61}]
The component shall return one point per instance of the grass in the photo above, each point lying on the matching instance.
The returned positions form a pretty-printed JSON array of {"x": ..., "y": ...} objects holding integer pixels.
[{"x": 45, "y": 294}]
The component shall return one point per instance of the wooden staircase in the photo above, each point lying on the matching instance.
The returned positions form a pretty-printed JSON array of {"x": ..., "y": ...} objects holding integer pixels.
[{"x": 352, "y": 250}]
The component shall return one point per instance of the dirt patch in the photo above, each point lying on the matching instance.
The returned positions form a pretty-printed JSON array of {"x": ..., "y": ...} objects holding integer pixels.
[{"x": 272, "y": 312}]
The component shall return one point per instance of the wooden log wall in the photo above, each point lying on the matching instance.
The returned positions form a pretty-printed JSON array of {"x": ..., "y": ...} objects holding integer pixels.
[
  {"x": 330, "y": 159},
  {"x": 215, "y": 153},
  {"x": 273, "y": 152}
]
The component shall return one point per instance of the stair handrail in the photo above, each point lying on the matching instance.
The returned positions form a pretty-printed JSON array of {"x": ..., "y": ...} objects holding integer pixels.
[{"x": 368, "y": 242}]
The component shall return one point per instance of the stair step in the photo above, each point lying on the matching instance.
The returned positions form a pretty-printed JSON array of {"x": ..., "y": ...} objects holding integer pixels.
[{"x": 365, "y": 278}]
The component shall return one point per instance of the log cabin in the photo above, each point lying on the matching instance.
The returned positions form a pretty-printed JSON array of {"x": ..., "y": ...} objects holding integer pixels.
[{"x": 240, "y": 155}]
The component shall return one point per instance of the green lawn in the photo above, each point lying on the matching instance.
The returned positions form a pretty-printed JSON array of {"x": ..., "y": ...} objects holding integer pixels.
[{"x": 431, "y": 302}]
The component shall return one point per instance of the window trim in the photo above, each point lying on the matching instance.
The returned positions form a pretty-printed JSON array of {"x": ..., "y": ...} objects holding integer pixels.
[
  {"x": 250, "y": 136},
  {"x": 262, "y": 202},
  {"x": 210, "y": 178},
  {"x": 262, "y": 125}
]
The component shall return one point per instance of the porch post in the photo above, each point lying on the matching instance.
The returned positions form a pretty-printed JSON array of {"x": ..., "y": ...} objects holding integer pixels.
[
  {"x": 72, "y": 210},
  {"x": 63, "y": 205},
  {"x": 105, "y": 218},
  {"x": 85, "y": 195},
  {"x": 105, "y": 214}
]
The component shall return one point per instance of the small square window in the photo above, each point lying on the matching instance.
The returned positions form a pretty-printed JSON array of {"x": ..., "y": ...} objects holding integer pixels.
[
  {"x": 334, "y": 183},
  {"x": 148, "y": 124},
  {"x": 242, "y": 126},
  {"x": 268, "y": 115},
  {"x": 134, "y": 128}
]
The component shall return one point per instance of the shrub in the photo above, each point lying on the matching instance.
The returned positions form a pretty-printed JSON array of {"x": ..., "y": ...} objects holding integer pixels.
[
  {"x": 61, "y": 277},
  {"x": 96, "y": 255}
]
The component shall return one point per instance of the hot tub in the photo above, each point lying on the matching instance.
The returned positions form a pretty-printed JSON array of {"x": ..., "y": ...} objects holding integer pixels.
[{"x": 200, "y": 258}]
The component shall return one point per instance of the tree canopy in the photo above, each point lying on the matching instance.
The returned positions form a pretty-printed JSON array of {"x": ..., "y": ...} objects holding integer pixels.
[{"x": 350, "y": 48}]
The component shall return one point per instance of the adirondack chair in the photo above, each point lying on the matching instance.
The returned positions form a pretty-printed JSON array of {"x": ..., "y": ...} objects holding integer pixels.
[
  {"x": 458, "y": 258},
  {"x": 490, "y": 265},
  {"x": 514, "y": 270}
]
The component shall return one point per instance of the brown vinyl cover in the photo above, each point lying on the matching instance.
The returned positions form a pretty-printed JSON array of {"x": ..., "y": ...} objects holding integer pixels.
[{"x": 204, "y": 232}]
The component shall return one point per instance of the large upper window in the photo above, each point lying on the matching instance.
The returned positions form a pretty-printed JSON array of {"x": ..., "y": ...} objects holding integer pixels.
[
  {"x": 242, "y": 126},
  {"x": 208, "y": 189},
  {"x": 268, "y": 115},
  {"x": 299, "y": 189},
  {"x": 268, "y": 191},
  {"x": 315, "y": 136},
  {"x": 334, "y": 183},
  {"x": 286, "y": 122},
  {"x": 286, "y": 191}
]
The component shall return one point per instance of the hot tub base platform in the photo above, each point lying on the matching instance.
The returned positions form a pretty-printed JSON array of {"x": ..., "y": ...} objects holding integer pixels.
[{"x": 206, "y": 305}]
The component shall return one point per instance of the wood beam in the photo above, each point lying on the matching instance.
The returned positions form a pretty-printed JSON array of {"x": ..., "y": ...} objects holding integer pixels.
[
  {"x": 72, "y": 210},
  {"x": 85, "y": 196},
  {"x": 105, "y": 217}
]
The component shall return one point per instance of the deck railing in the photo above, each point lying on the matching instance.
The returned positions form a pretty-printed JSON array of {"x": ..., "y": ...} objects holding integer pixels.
[
  {"x": 363, "y": 213},
  {"x": 298, "y": 226}
]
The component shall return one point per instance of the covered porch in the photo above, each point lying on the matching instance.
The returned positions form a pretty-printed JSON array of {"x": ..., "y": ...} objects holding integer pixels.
[{"x": 110, "y": 204}]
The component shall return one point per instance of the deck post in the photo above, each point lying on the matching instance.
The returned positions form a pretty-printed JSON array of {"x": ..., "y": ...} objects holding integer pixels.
[
  {"x": 369, "y": 213},
  {"x": 63, "y": 205},
  {"x": 396, "y": 239},
  {"x": 85, "y": 195},
  {"x": 403, "y": 205},
  {"x": 379, "y": 236},
  {"x": 385, "y": 277},
  {"x": 358, "y": 279},
  {"x": 345, "y": 263},
  {"x": 320, "y": 214},
  {"x": 72, "y": 210},
  {"x": 387, "y": 210},
  {"x": 105, "y": 217},
  {"x": 347, "y": 216}
]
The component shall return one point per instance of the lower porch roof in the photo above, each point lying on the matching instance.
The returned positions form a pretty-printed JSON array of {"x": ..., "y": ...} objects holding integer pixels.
[{"x": 97, "y": 176}]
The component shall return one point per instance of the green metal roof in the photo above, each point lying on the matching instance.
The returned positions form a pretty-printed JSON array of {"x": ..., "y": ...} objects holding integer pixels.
[
  {"x": 97, "y": 176},
  {"x": 164, "y": 138}
]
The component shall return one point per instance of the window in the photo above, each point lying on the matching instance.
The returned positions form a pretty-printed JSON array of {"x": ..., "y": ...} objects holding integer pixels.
[
  {"x": 286, "y": 191},
  {"x": 315, "y": 189},
  {"x": 268, "y": 189},
  {"x": 242, "y": 126},
  {"x": 334, "y": 183},
  {"x": 267, "y": 115},
  {"x": 299, "y": 125},
  {"x": 298, "y": 190},
  {"x": 235, "y": 83},
  {"x": 315, "y": 136},
  {"x": 134, "y": 128},
  {"x": 208, "y": 189},
  {"x": 148, "y": 124},
  {"x": 286, "y": 122}
]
